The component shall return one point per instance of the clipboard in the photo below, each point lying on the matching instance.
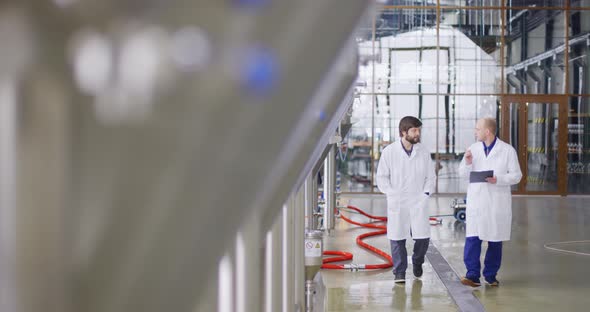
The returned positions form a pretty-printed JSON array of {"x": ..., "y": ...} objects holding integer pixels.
[{"x": 480, "y": 176}]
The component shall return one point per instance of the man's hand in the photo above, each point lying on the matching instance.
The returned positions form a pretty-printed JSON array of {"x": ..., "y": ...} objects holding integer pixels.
[
  {"x": 492, "y": 180},
  {"x": 468, "y": 157}
]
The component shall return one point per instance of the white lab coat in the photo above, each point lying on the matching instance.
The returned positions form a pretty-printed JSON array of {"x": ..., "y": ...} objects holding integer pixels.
[
  {"x": 405, "y": 180},
  {"x": 489, "y": 206}
]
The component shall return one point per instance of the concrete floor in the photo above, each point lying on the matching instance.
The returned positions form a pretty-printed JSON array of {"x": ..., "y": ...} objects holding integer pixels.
[{"x": 532, "y": 277}]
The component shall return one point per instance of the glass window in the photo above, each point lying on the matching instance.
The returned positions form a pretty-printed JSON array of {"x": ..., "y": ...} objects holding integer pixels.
[
  {"x": 579, "y": 55},
  {"x": 458, "y": 115},
  {"x": 542, "y": 157},
  {"x": 578, "y": 146},
  {"x": 451, "y": 80},
  {"x": 471, "y": 40},
  {"x": 536, "y": 3},
  {"x": 538, "y": 68},
  {"x": 471, "y": 3},
  {"x": 580, "y": 4},
  {"x": 387, "y": 118},
  {"x": 354, "y": 156}
]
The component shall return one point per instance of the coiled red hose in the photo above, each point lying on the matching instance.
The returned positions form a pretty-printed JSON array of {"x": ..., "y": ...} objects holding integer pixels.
[
  {"x": 359, "y": 240},
  {"x": 345, "y": 256}
]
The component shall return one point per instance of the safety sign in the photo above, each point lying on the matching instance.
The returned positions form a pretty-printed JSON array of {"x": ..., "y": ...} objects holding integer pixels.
[{"x": 313, "y": 248}]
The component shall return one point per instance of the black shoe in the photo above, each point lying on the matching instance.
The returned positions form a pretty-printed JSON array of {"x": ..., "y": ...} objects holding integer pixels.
[
  {"x": 418, "y": 270},
  {"x": 399, "y": 278},
  {"x": 492, "y": 282}
]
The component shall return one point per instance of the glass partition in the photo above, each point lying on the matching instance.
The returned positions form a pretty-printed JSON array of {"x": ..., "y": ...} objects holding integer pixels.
[{"x": 448, "y": 62}]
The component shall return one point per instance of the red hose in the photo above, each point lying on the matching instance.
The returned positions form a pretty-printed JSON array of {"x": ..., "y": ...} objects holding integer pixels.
[
  {"x": 366, "y": 214},
  {"x": 379, "y": 252},
  {"x": 345, "y": 256},
  {"x": 359, "y": 240}
]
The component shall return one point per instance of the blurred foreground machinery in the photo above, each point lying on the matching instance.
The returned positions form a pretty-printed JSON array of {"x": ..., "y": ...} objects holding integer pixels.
[{"x": 146, "y": 144}]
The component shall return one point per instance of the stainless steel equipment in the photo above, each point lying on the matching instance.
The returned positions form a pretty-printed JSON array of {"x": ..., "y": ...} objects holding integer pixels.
[
  {"x": 142, "y": 136},
  {"x": 313, "y": 262}
]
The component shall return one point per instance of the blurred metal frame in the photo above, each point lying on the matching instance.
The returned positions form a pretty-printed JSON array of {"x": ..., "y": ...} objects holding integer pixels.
[{"x": 134, "y": 216}]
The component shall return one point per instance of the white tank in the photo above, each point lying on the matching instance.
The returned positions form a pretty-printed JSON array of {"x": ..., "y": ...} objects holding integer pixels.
[{"x": 406, "y": 65}]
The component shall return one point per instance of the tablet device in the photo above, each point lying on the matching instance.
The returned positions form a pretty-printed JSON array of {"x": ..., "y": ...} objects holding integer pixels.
[{"x": 480, "y": 176}]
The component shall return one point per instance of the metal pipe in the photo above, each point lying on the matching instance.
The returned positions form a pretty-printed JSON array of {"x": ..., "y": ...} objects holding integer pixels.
[
  {"x": 476, "y": 22},
  {"x": 517, "y": 15},
  {"x": 481, "y": 18},
  {"x": 547, "y": 75},
  {"x": 510, "y": 82},
  {"x": 315, "y": 201},
  {"x": 437, "y": 87},
  {"x": 298, "y": 249},
  {"x": 309, "y": 203},
  {"x": 273, "y": 267},
  {"x": 483, "y": 21},
  {"x": 7, "y": 194},
  {"x": 329, "y": 189},
  {"x": 373, "y": 96},
  {"x": 491, "y": 21},
  {"x": 523, "y": 83},
  {"x": 248, "y": 264},
  {"x": 580, "y": 90},
  {"x": 510, "y": 17},
  {"x": 535, "y": 78},
  {"x": 537, "y": 136},
  {"x": 225, "y": 288},
  {"x": 547, "y": 129},
  {"x": 513, "y": 114},
  {"x": 545, "y": 55},
  {"x": 500, "y": 22},
  {"x": 287, "y": 255},
  {"x": 547, "y": 114}
]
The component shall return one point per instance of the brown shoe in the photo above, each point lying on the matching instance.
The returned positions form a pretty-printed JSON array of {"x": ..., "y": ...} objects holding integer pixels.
[{"x": 469, "y": 282}]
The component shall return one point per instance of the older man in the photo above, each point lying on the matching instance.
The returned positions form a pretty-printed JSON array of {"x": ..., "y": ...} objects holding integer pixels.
[{"x": 489, "y": 204}]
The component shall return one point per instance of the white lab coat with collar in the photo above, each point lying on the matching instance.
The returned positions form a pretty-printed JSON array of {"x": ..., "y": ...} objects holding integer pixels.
[
  {"x": 405, "y": 180},
  {"x": 489, "y": 206}
]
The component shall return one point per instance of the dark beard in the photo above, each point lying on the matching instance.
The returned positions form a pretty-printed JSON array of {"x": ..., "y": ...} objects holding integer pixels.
[{"x": 414, "y": 140}]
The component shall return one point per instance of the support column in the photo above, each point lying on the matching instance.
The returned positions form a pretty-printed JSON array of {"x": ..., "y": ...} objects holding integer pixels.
[{"x": 329, "y": 189}]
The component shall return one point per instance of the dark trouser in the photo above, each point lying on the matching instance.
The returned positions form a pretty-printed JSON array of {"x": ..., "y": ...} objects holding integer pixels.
[
  {"x": 399, "y": 254},
  {"x": 492, "y": 260}
]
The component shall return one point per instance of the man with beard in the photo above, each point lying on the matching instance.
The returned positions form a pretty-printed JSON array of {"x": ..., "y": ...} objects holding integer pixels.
[{"x": 406, "y": 176}]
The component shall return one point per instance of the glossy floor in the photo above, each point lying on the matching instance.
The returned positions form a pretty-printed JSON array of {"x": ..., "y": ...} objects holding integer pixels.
[{"x": 533, "y": 278}]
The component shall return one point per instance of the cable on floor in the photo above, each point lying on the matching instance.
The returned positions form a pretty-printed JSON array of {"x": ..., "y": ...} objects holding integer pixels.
[{"x": 550, "y": 247}]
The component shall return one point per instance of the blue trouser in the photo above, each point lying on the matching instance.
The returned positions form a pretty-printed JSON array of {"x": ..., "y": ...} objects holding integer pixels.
[
  {"x": 492, "y": 260},
  {"x": 399, "y": 254}
]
